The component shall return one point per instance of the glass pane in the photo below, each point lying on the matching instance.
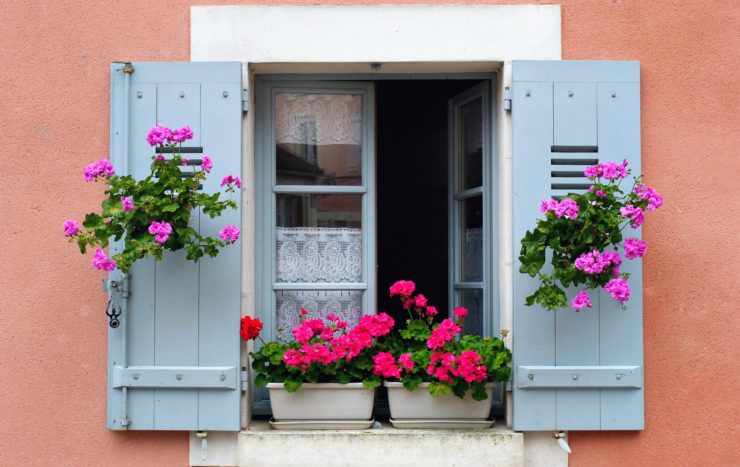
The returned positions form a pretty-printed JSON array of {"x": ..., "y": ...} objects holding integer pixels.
[
  {"x": 318, "y": 139},
  {"x": 472, "y": 299},
  {"x": 471, "y": 144},
  {"x": 347, "y": 304},
  {"x": 319, "y": 238},
  {"x": 472, "y": 239}
]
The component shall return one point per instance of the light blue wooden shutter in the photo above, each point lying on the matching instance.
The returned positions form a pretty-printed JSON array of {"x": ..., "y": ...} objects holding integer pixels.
[
  {"x": 574, "y": 371},
  {"x": 173, "y": 363}
]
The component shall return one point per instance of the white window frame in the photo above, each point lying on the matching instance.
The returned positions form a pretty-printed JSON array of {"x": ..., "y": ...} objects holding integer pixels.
[{"x": 401, "y": 39}]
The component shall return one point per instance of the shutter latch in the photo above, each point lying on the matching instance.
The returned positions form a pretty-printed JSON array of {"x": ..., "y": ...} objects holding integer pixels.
[
  {"x": 245, "y": 100},
  {"x": 507, "y": 98}
]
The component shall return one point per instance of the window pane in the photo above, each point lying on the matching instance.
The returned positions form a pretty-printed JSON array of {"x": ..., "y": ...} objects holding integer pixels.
[
  {"x": 347, "y": 304},
  {"x": 471, "y": 144},
  {"x": 472, "y": 239},
  {"x": 472, "y": 299},
  {"x": 318, "y": 139},
  {"x": 319, "y": 238}
]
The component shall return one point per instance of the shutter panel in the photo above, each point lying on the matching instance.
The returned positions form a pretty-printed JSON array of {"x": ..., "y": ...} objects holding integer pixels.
[
  {"x": 574, "y": 371},
  {"x": 173, "y": 363}
]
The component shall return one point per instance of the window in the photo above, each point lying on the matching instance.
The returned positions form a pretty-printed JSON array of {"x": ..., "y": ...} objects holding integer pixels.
[{"x": 354, "y": 191}]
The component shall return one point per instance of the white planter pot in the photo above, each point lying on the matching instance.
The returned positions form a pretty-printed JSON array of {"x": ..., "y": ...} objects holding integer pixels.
[
  {"x": 420, "y": 405},
  {"x": 322, "y": 401}
]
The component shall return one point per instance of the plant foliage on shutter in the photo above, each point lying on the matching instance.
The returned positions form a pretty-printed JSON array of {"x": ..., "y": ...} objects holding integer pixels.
[
  {"x": 173, "y": 363},
  {"x": 574, "y": 370}
]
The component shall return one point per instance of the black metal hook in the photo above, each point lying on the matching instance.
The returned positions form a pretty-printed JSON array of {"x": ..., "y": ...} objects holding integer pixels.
[{"x": 113, "y": 313}]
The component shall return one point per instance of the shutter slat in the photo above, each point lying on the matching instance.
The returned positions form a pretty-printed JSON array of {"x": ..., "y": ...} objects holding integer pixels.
[{"x": 588, "y": 105}]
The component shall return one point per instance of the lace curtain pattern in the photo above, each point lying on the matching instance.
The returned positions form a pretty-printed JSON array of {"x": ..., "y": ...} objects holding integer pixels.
[
  {"x": 317, "y": 254},
  {"x": 347, "y": 304},
  {"x": 334, "y": 119}
]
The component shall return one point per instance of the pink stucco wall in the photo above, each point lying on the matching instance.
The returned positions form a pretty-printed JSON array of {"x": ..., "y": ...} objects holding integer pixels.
[{"x": 54, "y": 79}]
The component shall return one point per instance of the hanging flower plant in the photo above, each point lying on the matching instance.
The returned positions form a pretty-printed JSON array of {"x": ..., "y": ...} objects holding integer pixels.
[
  {"x": 579, "y": 231},
  {"x": 153, "y": 214}
]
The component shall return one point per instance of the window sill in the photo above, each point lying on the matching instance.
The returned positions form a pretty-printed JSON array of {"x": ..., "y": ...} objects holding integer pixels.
[{"x": 259, "y": 444}]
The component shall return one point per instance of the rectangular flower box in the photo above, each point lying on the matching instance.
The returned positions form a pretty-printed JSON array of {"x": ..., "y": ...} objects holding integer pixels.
[
  {"x": 322, "y": 401},
  {"x": 419, "y": 404}
]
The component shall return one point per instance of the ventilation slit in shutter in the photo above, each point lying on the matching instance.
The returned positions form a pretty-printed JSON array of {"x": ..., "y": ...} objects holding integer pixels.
[{"x": 567, "y": 173}]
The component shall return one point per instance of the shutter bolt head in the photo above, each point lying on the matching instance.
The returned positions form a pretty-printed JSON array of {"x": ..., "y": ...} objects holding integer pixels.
[
  {"x": 530, "y": 376},
  {"x": 222, "y": 377},
  {"x": 226, "y": 94},
  {"x": 135, "y": 376},
  {"x": 182, "y": 94},
  {"x": 575, "y": 377},
  {"x": 614, "y": 94},
  {"x": 139, "y": 94},
  {"x": 178, "y": 377},
  {"x": 570, "y": 93},
  {"x": 528, "y": 93},
  {"x": 619, "y": 376}
]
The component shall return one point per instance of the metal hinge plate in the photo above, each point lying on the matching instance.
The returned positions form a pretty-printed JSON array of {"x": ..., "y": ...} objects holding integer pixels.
[
  {"x": 507, "y": 98},
  {"x": 244, "y": 377},
  {"x": 245, "y": 100}
]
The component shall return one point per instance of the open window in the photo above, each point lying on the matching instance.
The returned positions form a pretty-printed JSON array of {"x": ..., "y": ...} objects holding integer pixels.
[{"x": 361, "y": 183}]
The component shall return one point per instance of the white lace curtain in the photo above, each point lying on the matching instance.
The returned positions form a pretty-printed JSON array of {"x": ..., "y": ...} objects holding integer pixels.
[
  {"x": 318, "y": 254},
  {"x": 318, "y": 119}
]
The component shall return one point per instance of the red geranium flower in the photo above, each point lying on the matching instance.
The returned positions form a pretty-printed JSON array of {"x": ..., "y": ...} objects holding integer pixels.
[{"x": 251, "y": 328}]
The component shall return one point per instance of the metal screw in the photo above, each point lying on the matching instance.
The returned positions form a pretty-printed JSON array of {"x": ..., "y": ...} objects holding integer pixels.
[
  {"x": 570, "y": 93},
  {"x": 222, "y": 377},
  {"x": 182, "y": 94},
  {"x": 528, "y": 93},
  {"x": 614, "y": 94},
  {"x": 135, "y": 376},
  {"x": 178, "y": 377},
  {"x": 619, "y": 376},
  {"x": 575, "y": 377},
  {"x": 226, "y": 94},
  {"x": 530, "y": 376},
  {"x": 139, "y": 94}
]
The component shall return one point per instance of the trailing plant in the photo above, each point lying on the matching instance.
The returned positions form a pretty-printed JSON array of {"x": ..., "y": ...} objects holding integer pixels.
[
  {"x": 153, "y": 214},
  {"x": 439, "y": 353},
  {"x": 323, "y": 352},
  {"x": 578, "y": 231}
]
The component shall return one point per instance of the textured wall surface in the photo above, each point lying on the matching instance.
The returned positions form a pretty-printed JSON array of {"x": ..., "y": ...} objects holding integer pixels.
[{"x": 54, "y": 75}]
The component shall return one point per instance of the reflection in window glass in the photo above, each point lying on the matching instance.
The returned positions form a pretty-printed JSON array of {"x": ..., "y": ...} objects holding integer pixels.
[
  {"x": 471, "y": 142},
  {"x": 472, "y": 299},
  {"x": 472, "y": 239},
  {"x": 318, "y": 139},
  {"x": 312, "y": 210}
]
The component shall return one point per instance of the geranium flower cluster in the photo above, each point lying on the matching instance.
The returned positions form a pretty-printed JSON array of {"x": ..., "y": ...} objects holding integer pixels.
[
  {"x": 566, "y": 207},
  {"x": 443, "y": 334},
  {"x": 444, "y": 366},
  {"x": 609, "y": 170},
  {"x": 163, "y": 135},
  {"x": 102, "y": 262},
  {"x": 618, "y": 289},
  {"x": 329, "y": 347},
  {"x": 230, "y": 233},
  {"x": 596, "y": 262},
  {"x": 404, "y": 290},
  {"x": 161, "y": 231},
  {"x": 250, "y": 328},
  {"x": 654, "y": 199},
  {"x": 98, "y": 169}
]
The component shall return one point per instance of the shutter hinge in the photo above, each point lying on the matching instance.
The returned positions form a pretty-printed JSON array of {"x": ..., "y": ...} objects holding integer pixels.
[
  {"x": 245, "y": 100},
  {"x": 507, "y": 98},
  {"x": 244, "y": 379}
]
